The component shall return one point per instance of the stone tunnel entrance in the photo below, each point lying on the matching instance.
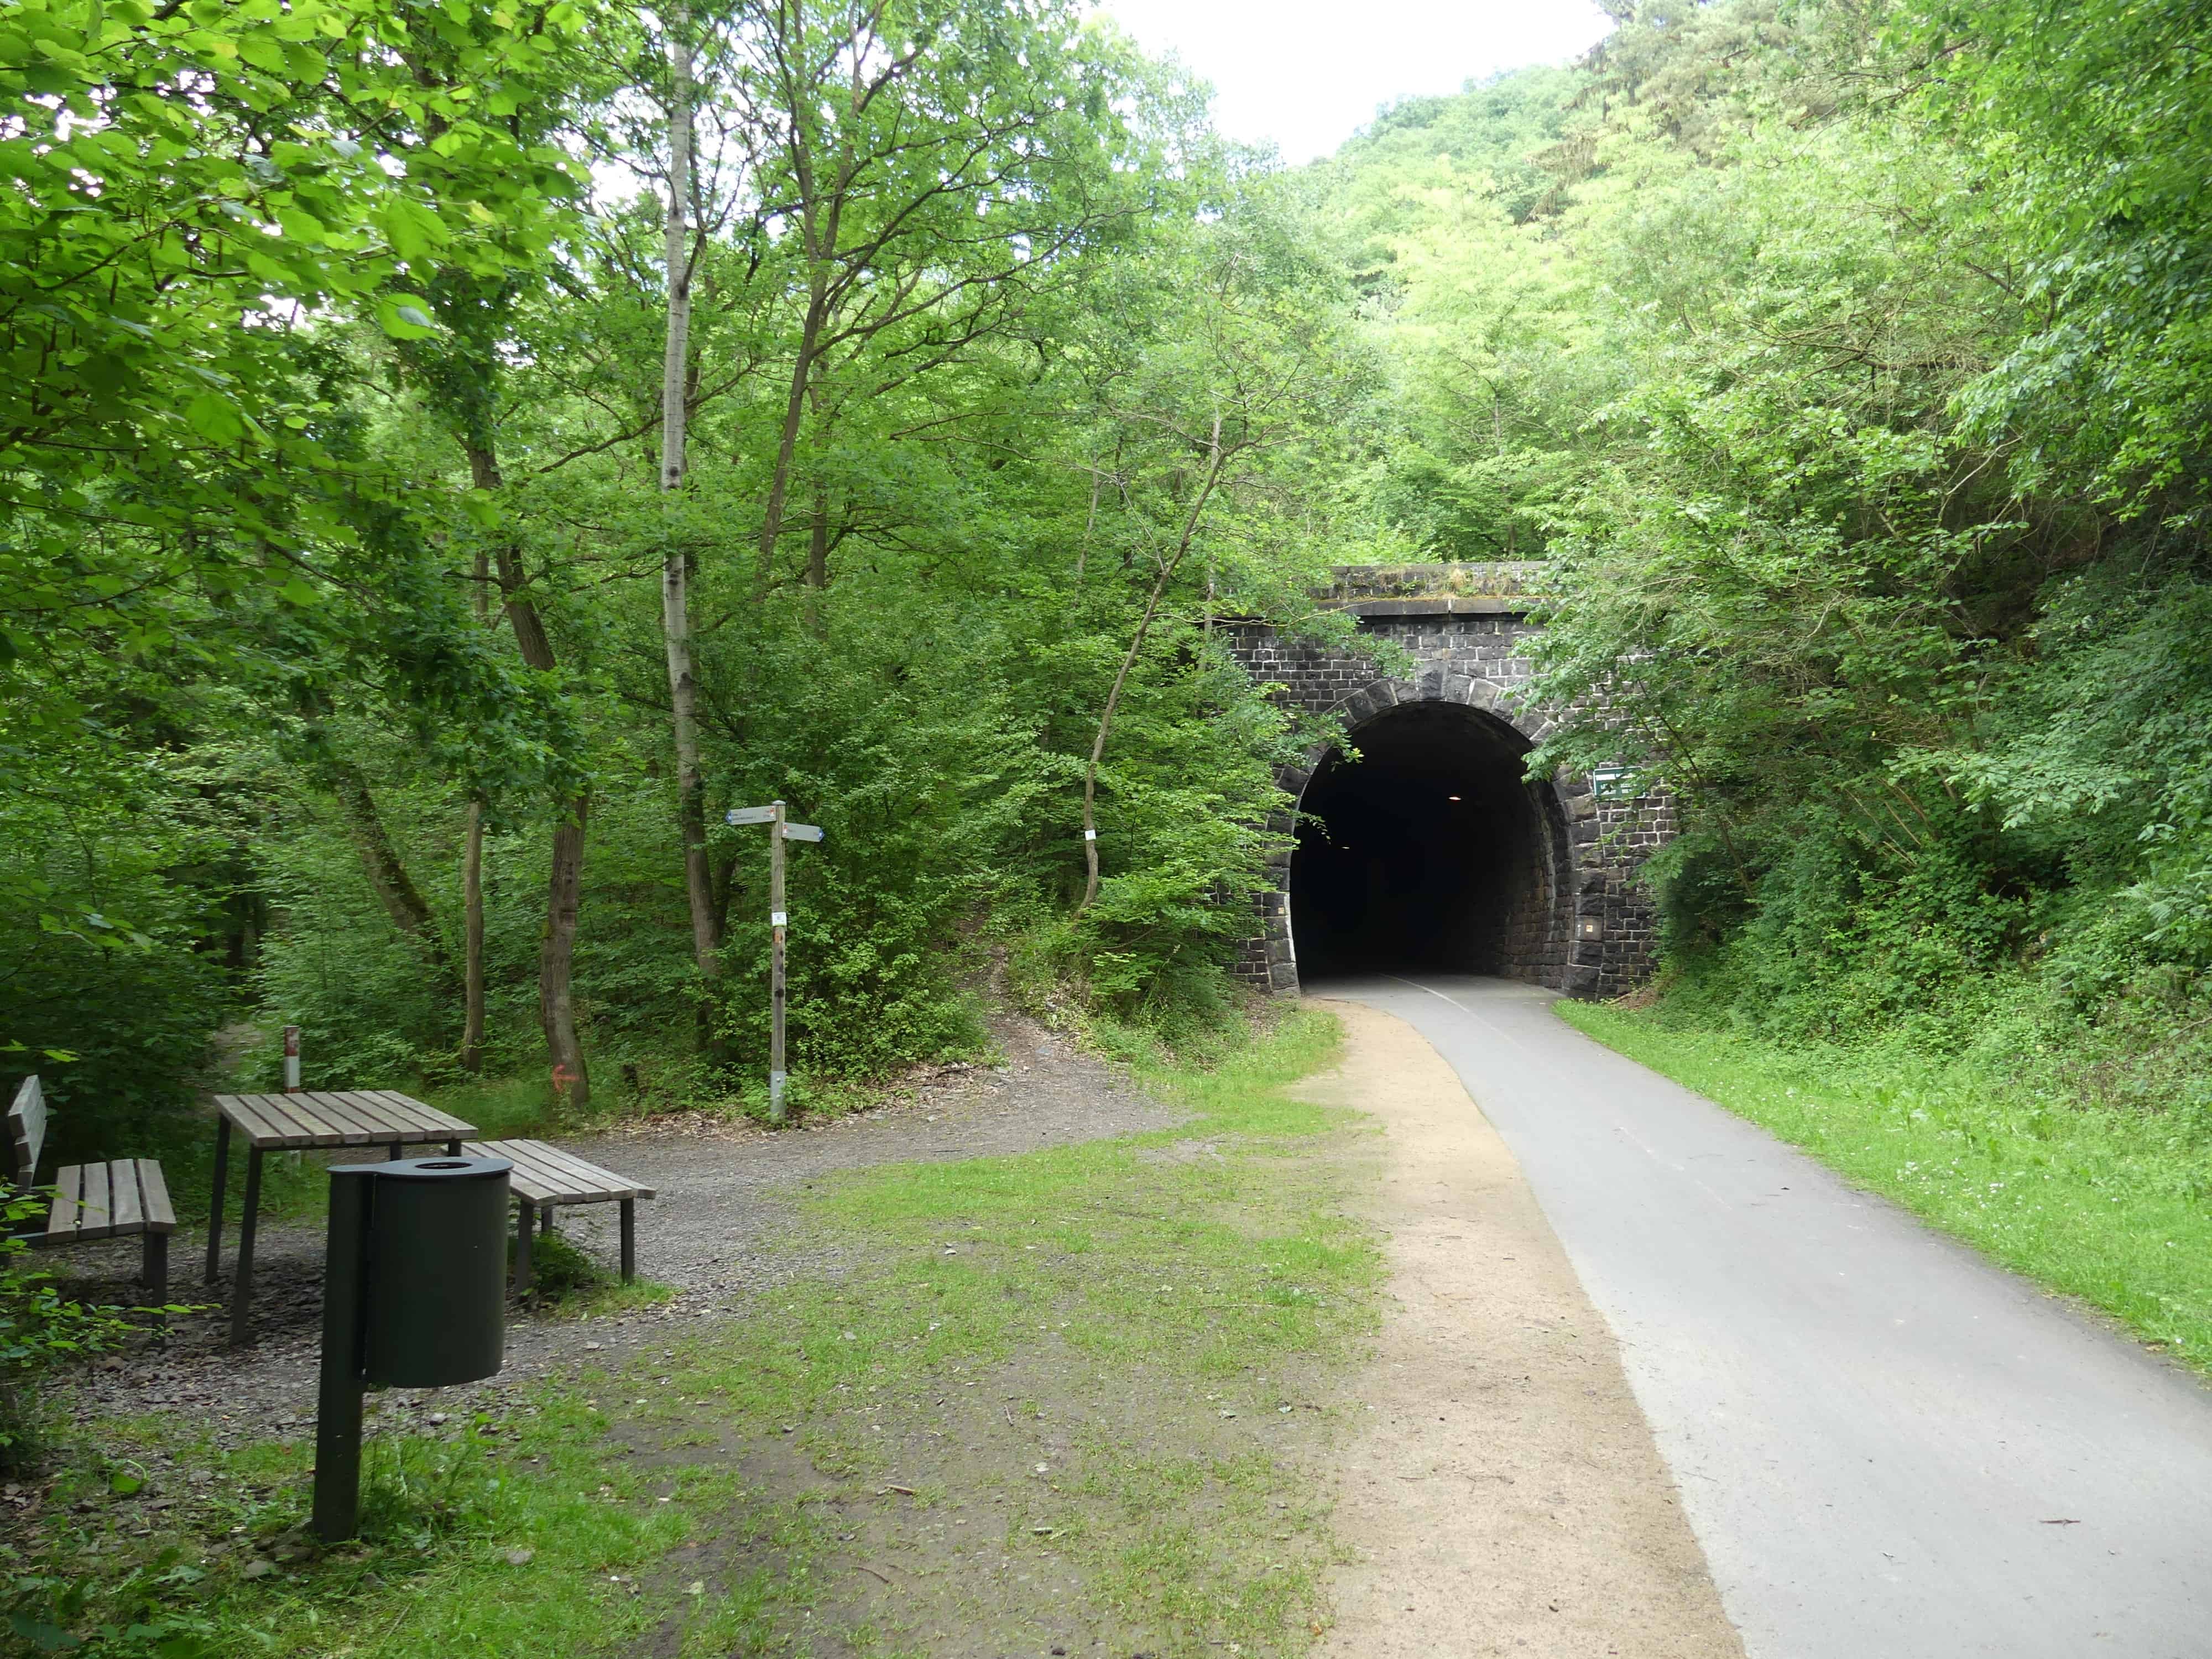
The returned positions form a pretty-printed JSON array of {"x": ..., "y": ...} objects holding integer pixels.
[{"x": 1430, "y": 851}]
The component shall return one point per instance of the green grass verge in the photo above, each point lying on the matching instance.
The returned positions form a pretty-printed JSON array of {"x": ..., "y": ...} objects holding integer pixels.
[
  {"x": 2106, "y": 1205},
  {"x": 1070, "y": 1389}
]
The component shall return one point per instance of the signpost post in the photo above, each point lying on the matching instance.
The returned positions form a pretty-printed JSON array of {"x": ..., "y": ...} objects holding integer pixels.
[{"x": 781, "y": 829}]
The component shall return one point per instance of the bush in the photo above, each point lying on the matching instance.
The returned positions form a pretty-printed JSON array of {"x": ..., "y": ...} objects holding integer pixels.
[{"x": 39, "y": 1329}]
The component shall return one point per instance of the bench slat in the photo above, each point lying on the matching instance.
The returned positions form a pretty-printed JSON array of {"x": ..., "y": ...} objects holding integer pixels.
[
  {"x": 534, "y": 1180},
  {"x": 436, "y": 1125},
  {"x": 613, "y": 1185},
  {"x": 342, "y": 1118},
  {"x": 263, "y": 1128},
  {"x": 605, "y": 1182},
  {"x": 543, "y": 1174},
  {"x": 123, "y": 1194},
  {"x": 160, "y": 1214},
  {"x": 400, "y": 1115},
  {"x": 26, "y": 1126},
  {"x": 96, "y": 1218},
  {"x": 401, "y": 1108},
  {"x": 368, "y": 1114},
  {"x": 294, "y": 1126},
  {"x": 62, "y": 1219}
]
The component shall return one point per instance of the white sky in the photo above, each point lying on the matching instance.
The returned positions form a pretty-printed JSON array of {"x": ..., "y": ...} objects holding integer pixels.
[{"x": 1305, "y": 73}]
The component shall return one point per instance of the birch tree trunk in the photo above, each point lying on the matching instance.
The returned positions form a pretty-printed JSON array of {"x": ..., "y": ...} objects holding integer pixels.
[{"x": 675, "y": 569}]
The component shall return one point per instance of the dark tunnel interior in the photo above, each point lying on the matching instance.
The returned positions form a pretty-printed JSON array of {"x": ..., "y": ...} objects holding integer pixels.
[{"x": 1426, "y": 852}]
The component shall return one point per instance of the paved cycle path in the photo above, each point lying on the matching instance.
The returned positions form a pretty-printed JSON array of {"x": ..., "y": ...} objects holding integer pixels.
[{"x": 1888, "y": 1447}]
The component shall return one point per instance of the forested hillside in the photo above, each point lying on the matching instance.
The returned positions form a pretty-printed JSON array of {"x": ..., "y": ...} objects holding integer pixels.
[
  {"x": 453, "y": 455},
  {"x": 404, "y": 576},
  {"x": 1847, "y": 362}
]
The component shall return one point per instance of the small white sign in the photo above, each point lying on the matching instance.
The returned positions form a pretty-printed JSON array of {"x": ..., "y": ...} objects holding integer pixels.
[
  {"x": 1091, "y": 835},
  {"x": 777, "y": 919}
]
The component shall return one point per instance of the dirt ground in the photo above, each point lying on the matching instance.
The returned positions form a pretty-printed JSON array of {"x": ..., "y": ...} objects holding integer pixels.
[
  {"x": 1484, "y": 1483},
  {"x": 1505, "y": 1495},
  {"x": 726, "y": 1193}
]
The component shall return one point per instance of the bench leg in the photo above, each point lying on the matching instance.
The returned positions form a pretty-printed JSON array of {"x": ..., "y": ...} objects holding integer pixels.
[
  {"x": 215, "y": 1218},
  {"x": 241, "y": 1290},
  {"x": 629, "y": 1239},
  {"x": 156, "y": 1271},
  {"x": 546, "y": 1219},
  {"x": 522, "y": 1229}
]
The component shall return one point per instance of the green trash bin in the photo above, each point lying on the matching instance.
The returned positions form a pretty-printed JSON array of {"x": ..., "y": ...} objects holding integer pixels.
[
  {"x": 433, "y": 1284},
  {"x": 414, "y": 1297}
]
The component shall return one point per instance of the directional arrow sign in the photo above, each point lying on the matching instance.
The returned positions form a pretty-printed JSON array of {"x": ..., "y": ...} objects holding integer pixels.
[{"x": 781, "y": 829}]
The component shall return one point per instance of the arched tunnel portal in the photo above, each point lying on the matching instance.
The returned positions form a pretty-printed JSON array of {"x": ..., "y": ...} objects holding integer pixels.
[
  {"x": 1535, "y": 881},
  {"x": 1425, "y": 847}
]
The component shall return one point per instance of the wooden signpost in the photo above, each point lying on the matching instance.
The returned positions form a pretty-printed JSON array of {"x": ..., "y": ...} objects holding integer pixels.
[{"x": 781, "y": 830}]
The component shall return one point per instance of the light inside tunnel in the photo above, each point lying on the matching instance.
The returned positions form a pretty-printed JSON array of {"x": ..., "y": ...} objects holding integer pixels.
[{"x": 1429, "y": 851}]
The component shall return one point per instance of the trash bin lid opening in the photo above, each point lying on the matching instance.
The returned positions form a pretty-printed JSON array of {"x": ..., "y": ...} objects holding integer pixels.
[{"x": 444, "y": 1163}]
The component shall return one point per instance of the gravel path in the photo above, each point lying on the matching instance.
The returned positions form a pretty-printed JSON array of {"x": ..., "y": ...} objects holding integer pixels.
[{"x": 727, "y": 1195}]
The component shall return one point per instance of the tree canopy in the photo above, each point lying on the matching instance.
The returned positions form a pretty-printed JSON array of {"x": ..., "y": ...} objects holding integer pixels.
[{"x": 451, "y": 453}]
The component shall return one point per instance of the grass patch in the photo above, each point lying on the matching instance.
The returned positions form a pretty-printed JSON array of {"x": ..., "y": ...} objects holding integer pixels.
[
  {"x": 2103, "y": 1203},
  {"x": 1060, "y": 1398}
]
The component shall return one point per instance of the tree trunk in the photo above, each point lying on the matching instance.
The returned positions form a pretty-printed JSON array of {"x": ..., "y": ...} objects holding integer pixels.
[
  {"x": 1168, "y": 567},
  {"x": 473, "y": 917},
  {"x": 675, "y": 568},
  {"x": 818, "y": 563},
  {"x": 818, "y": 541},
  {"x": 556, "y": 964},
  {"x": 557, "y": 959},
  {"x": 402, "y": 900},
  {"x": 472, "y": 964},
  {"x": 794, "y": 411}
]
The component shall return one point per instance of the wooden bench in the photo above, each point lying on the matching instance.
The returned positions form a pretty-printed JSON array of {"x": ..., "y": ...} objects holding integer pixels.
[
  {"x": 113, "y": 1200},
  {"x": 545, "y": 1176}
]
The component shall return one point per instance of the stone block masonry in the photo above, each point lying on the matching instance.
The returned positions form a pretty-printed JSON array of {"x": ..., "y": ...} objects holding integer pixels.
[{"x": 1457, "y": 635}]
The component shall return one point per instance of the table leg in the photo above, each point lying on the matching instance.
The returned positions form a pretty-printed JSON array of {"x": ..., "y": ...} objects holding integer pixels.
[
  {"x": 522, "y": 1228},
  {"x": 629, "y": 1239},
  {"x": 546, "y": 1219},
  {"x": 452, "y": 1149},
  {"x": 241, "y": 1289},
  {"x": 215, "y": 1218},
  {"x": 396, "y": 1152}
]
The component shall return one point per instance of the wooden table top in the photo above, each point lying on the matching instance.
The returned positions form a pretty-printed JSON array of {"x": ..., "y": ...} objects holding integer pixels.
[{"x": 351, "y": 1117}]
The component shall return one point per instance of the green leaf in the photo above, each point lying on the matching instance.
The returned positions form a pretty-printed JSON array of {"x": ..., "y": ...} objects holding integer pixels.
[
  {"x": 405, "y": 317},
  {"x": 215, "y": 419}
]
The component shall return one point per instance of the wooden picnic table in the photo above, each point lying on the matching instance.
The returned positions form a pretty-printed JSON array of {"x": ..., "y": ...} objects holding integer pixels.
[{"x": 286, "y": 1123}]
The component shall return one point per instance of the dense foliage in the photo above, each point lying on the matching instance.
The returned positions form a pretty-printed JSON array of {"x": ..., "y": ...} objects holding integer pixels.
[
  {"x": 1846, "y": 361},
  {"x": 350, "y": 541},
  {"x": 455, "y": 452}
]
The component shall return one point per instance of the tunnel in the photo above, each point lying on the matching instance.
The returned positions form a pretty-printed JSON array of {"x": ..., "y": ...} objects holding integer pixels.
[{"x": 1427, "y": 849}]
